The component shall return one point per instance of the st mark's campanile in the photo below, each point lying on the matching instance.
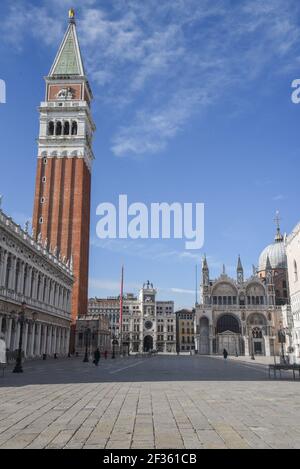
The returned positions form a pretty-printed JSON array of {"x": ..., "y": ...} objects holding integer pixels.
[{"x": 61, "y": 217}]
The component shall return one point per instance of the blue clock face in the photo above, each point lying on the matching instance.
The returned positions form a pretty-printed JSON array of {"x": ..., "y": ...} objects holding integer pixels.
[
  {"x": 148, "y": 298},
  {"x": 148, "y": 324}
]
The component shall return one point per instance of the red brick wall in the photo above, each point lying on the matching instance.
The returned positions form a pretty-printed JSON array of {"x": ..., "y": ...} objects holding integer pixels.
[{"x": 66, "y": 217}]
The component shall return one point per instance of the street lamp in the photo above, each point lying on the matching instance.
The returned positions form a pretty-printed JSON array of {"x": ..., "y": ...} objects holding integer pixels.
[
  {"x": 87, "y": 334},
  {"x": 252, "y": 346},
  {"x": 281, "y": 340},
  {"x": 18, "y": 367}
]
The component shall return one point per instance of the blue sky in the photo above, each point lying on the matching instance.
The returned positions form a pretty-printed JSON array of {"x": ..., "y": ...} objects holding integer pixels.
[{"x": 192, "y": 104}]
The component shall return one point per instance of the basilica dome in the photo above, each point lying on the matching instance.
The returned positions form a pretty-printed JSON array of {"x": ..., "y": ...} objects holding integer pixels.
[
  {"x": 277, "y": 256},
  {"x": 276, "y": 251}
]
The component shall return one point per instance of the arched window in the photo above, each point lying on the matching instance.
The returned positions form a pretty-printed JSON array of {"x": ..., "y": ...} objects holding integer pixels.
[
  {"x": 8, "y": 268},
  {"x": 74, "y": 128},
  {"x": 257, "y": 333},
  {"x": 66, "y": 128},
  {"x": 3, "y": 325},
  {"x": 58, "y": 128},
  {"x": 227, "y": 322},
  {"x": 17, "y": 276},
  {"x": 295, "y": 271},
  {"x": 51, "y": 128}
]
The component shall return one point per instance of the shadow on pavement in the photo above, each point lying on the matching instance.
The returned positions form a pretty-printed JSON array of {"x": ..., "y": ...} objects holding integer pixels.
[{"x": 131, "y": 369}]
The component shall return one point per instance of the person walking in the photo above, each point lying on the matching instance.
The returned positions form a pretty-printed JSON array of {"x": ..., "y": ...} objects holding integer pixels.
[
  {"x": 96, "y": 356},
  {"x": 105, "y": 354},
  {"x": 225, "y": 353}
]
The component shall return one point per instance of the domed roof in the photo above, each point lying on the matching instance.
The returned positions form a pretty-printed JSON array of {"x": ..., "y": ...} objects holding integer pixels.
[
  {"x": 277, "y": 256},
  {"x": 276, "y": 252}
]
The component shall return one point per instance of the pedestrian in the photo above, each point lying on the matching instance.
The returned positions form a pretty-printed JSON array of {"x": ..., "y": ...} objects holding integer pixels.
[
  {"x": 225, "y": 353},
  {"x": 105, "y": 354},
  {"x": 96, "y": 356}
]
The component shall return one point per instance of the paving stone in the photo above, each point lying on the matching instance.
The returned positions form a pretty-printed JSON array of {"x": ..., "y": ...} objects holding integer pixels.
[{"x": 149, "y": 405}]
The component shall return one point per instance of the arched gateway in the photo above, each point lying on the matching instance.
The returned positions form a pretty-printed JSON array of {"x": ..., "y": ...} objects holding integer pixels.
[
  {"x": 228, "y": 332},
  {"x": 148, "y": 343}
]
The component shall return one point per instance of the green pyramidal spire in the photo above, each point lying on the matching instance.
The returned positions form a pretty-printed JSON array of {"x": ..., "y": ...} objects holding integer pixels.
[{"x": 68, "y": 60}]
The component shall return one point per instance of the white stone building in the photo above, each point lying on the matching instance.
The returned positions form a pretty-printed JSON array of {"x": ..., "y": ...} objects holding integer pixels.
[
  {"x": 292, "y": 243},
  {"x": 147, "y": 324},
  {"x": 237, "y": 314},
  {"x": 30, "y": 273}
]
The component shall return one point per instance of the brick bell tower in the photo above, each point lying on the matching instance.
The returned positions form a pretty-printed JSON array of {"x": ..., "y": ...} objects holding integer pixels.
[{"x": 61, "y": 217}]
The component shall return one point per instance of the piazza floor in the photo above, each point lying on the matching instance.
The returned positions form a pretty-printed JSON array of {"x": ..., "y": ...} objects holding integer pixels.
[{"x": 158, "y": 402}]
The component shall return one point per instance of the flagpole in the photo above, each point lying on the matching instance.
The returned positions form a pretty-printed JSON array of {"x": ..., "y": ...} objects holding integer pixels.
[
  {"x": 121, "y": 310},
  {"x": 196, "y": 289}
]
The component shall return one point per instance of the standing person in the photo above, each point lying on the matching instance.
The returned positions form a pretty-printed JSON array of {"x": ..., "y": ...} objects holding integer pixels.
[
  {"x": 225, "y": 353},
  {"x": 96, "y": 356},
  {"x": 105, "y": 354}
]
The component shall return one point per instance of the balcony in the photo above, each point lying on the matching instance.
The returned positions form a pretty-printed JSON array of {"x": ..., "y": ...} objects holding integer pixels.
[
  {"x": 36, "y": 305},
  {"x": 239, "y": 307}
]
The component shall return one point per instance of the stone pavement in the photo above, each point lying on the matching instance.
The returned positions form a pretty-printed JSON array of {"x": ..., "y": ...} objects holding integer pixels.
[{"x": 158, "y": 402}]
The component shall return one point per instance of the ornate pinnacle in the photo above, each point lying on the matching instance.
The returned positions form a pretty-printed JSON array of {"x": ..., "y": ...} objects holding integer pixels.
[
  {"x": 72, "y": 15},
  {"x": 278, "y": 237},
  {"x": 26, "y": 226}
]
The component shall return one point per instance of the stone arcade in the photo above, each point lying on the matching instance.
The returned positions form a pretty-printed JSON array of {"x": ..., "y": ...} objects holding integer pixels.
[{"x": 30, "y": 273}]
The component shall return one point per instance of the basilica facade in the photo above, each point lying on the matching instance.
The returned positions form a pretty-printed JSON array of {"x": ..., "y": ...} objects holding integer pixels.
[{"x": 238, "y": 314}]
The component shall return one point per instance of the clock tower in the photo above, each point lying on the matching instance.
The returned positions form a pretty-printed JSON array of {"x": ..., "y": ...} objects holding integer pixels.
[{"x": 61, "y": 216}]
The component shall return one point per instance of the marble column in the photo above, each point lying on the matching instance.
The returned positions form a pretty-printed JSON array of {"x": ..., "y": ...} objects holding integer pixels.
[
  {"x": 21, "y": 277},
  {"x": 8, "y": 333},
  {"x": 12, "y": 273},
  {"x": 28, "y": 280},
  {"x": 38, "y": 340},
  {"x": 49, "y": 345},
  {"x": 3, "y": 266},
  {"x": 44, "y": 338},
  {"x": 25, "y": 338},
  {"x": 246, "y": 342},
  {"x": 32, "y": 340},
  {"x": 67, "y": 341},
  {"x": 55, "y": 340},
  {"x": 17, "y": 337},
  {"x": 267, "y": 345}
]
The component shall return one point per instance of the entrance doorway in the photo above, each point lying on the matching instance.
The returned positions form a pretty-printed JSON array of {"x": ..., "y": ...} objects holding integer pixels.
[
  {"x": 228, "y": 334},
  {"x": 148, "y": 343}
]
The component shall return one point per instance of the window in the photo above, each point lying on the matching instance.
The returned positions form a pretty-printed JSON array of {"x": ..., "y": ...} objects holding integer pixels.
[
  {"x": 51, "y": 128},
  {"x": 42, "y": 200},
  {"x": 44, "y": 179},
  {"x": 58, "y": 128},
  {"x": 45, "y": 160},
  {"x": 74, "y": 128},
  {"x": 66, "y": 128},
  {"x": 295, "y": 271},
  {"x": 41, "y": 220}
]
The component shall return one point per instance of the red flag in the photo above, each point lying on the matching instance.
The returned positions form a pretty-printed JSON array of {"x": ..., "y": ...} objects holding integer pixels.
[{"x": 121, "y": 302}]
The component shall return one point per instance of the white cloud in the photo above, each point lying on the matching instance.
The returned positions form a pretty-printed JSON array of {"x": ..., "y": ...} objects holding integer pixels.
[
  {"x": 279, "y": 197},
  {"x": 159, "y": 63}
]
